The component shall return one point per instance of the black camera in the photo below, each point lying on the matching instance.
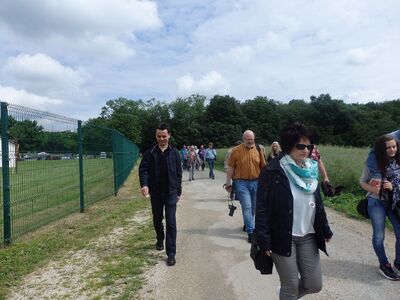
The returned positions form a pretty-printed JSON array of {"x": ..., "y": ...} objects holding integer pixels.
[{"x": 231, "y": 209}]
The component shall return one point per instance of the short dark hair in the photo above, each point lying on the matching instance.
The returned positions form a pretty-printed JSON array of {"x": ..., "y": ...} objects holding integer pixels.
[
  {"x": 381, "y": 154},
  {"x": 163, "y": 126},
  {"x": 292, "y": 134}
]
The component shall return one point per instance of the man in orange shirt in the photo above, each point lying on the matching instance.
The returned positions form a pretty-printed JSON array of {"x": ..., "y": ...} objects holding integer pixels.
[{"x": 244, "y": 166}]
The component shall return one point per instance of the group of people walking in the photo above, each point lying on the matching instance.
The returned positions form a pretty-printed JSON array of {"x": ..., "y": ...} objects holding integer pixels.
[
  {"x": 280, "y": 197},
  {"x": 193, "y": 158}
]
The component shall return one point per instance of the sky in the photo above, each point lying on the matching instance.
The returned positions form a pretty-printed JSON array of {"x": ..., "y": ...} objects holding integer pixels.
[{"x": 70, "y": 57}]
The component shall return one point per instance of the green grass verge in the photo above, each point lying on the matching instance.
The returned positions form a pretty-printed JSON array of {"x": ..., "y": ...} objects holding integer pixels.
[{"x": 74, "y": 233}]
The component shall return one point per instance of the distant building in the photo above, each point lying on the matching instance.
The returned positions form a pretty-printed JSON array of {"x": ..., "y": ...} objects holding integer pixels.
[{"x": 12, "y": 153}]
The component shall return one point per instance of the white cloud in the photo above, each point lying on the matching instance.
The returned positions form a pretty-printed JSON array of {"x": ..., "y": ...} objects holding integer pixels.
[
  {"x": 22, "y": 97},
  {"x": 358, "y": 56},
  {"x": 108, "y": 24},
  {"x": 273, "y": 41},
  {"x": 209, "y": 85},
  {"x": 44, "y": 75},
  {"x": 364, "y": 96}
]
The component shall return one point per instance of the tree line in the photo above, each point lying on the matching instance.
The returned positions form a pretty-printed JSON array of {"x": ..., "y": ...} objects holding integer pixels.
[{"x": 222, "y": 120}]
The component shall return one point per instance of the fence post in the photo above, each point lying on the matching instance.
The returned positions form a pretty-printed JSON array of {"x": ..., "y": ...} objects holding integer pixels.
[
  {"x": 114, "y": 162},
  {"x": 6, "y": 174},
  {"x": 80, "y": 149}
]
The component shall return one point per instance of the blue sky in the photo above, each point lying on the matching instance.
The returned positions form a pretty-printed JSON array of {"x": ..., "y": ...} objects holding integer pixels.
[{"x": 69, "y": 57}]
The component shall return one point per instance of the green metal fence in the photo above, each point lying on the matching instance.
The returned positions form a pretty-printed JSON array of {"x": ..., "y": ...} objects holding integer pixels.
[{"x": 53, "y": 165}]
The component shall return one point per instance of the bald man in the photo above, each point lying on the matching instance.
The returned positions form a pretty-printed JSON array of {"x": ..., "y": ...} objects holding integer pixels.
[{"x": 244, "y": 166}]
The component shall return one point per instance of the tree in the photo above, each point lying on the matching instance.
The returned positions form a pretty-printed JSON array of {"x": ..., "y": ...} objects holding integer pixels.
[
  {"x": 262, "y": 117},
  {"x": 28, "y": 133},
  {"x": 224, "y": 113},
  {"x": 188, "y": 120}
]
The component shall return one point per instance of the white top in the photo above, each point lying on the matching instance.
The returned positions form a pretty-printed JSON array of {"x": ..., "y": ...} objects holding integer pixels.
[{"x": 303, "y": 211}]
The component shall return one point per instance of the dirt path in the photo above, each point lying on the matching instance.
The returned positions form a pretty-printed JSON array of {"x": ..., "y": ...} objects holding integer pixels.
[{"x": 213, "y": 255}]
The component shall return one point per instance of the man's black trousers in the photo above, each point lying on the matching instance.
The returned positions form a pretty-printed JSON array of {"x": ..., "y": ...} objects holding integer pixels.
[{"x": 158, "y": 204}]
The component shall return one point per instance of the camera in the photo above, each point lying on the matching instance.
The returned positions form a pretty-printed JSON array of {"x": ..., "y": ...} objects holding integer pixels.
[{"x": 231, "y": 209}]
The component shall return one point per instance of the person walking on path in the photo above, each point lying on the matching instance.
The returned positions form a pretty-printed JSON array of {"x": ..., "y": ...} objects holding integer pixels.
[
  {"x": 291, "y": 223},
  {"x": 211, "y": 156},
  {"x": 160, "y": 175},
  {"x": 275, "y": 151},
  {"x": 193, "y": 161},
  {"x": 202, "y": 153},
  {"x": 183, "y": 155},
  {"x": 244, "y": 166},
  {"x": 383, "y": 195},
  {"x": 371, "y": 160},
  {"x": 315, "y": 154}
]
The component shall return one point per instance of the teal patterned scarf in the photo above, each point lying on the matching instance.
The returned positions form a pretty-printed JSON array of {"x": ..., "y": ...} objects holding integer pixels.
[{"x": 305, "y": 177}]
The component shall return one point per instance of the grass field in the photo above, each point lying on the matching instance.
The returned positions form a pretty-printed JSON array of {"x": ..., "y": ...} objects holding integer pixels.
[
  {"x": 42, "y": 191},
  {"x": 76, "y": 232}
]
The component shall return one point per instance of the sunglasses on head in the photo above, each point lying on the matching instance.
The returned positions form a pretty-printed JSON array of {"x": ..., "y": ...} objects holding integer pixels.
[{"x": 303, "y": 146}]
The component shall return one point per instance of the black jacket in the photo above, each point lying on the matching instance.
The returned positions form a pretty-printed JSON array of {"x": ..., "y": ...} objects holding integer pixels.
[
  {"x": 149, "y": 173},
  {"x": 274, "y": 212}
]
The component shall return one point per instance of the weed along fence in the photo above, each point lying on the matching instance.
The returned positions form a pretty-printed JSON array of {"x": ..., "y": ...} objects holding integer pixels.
[{"x": 52, "y": 166}]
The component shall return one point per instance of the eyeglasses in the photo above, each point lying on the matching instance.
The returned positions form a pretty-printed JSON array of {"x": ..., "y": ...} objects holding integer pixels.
[{"x": 303, "y": 146}]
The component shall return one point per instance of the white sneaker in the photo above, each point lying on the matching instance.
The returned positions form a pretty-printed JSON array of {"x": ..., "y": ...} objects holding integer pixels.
[{"x": 278, "y": 291}]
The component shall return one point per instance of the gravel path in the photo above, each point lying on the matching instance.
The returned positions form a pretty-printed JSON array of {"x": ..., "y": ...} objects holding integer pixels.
[{"x": 213, "y": 255}]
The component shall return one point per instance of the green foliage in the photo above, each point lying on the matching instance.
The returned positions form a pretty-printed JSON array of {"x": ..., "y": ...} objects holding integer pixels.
[
  {"x": 223, "y": 119},
  {"x": 28, "y": 134}
]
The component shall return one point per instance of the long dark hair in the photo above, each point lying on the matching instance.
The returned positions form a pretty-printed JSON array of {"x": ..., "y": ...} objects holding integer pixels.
[{"x": 380, "y": 152}]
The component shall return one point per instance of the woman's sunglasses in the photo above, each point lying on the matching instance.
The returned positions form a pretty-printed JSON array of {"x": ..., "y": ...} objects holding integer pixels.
[{"x": 303, "y": 146}]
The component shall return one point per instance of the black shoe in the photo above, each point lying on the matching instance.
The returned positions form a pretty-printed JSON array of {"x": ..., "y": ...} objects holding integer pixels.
[
  {"x": 160, "y": 245},
  {"x": 250, "y": 237},
  {"x": 396, "y": 268},
  {"x": 387, "y": 272},
  {"x": 171, "y": 260},
  {"x": 244, "y": 228}
]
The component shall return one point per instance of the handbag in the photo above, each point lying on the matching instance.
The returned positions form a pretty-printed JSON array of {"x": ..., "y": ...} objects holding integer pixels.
[
  {"x": 362, "y": 207},
  {"x": 329, "y": 190},
  {"x": 262, "y": 261}
]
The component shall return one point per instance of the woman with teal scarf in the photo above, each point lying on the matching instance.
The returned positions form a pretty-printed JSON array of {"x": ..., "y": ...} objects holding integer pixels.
[{"x": 291, "y": 223}]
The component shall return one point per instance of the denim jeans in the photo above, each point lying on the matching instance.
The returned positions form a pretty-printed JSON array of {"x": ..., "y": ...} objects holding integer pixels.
[
  {"x": 378, "y": 210},
  {"x": 246, "y": 191},
  {"x": 158, "y": 204},
  {"x": 210, "y": 162},
  {"x": 305, "y": 261}
]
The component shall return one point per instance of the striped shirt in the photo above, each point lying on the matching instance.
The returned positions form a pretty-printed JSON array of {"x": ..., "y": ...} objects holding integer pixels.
[{"x": 246, "y": 162}]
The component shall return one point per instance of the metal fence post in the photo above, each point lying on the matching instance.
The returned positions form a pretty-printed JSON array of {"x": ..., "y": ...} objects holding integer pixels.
[
  {"x": 6, "y": 174},
  {"x": 114, "y": 162},
  {"x": 81, "y": 187}
]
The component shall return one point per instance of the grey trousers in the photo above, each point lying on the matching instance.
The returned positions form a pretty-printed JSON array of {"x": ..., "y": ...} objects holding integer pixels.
[{"x": 300, "y": 274}]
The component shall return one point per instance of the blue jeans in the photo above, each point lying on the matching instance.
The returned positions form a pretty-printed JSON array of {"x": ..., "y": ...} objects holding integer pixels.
[
  {"x": 159, "y": 203},
  {"x": 246, "y": 191},
  {"x": 210, "y": 162},
  {"x": 378, "y": 210}
]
